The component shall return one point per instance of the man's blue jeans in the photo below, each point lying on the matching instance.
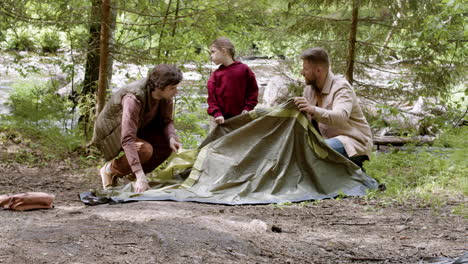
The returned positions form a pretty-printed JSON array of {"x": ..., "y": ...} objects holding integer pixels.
[{"x": 337, "y": 145}]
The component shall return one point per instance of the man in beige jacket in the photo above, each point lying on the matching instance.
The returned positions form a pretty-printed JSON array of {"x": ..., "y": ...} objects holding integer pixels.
[{"x": 332, "y": 106}]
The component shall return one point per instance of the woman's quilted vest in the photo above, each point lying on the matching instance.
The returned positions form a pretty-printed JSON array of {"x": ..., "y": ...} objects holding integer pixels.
[{"x": 107, "y": 131}]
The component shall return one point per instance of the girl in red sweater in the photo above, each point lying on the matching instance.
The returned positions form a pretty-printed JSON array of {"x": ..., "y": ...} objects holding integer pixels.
[{"x": 232, "y": 88}]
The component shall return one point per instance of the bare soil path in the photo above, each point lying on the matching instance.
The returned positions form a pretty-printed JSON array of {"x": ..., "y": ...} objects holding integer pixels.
[{"x": 350, "y": 230}]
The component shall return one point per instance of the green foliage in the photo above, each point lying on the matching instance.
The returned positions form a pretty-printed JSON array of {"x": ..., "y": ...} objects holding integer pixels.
[
  {"x": 421, "y": 40},
  {"x": 21, "y": 42},
  {"x": 87, "y": 108},
  {"x": 296, "y": 89},
  {"x": 424, "y": 176},
  {"x": 191, "y": 120},
  {"x": 50, "y": 42},
  {"x": 456, "y": 137},
  {"x": 37, "y": 102},
  {"x": 39, "y": 121},
  {"x": 37, "y": 145}
]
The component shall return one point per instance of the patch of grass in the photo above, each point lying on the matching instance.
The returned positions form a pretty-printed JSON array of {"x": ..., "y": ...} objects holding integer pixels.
[
  {"x": 36, "y": 102},
  {"x": 282, "y": 205},
  {"x": 36, "y": 126},
  {"x": 37, "y": 145},
  {"x": 423, "y": 176},
  {"x": 461, "y": 209}
]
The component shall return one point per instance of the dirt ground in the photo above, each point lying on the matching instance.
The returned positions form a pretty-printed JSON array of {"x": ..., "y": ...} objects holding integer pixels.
[{"x": 350, "y": 230}]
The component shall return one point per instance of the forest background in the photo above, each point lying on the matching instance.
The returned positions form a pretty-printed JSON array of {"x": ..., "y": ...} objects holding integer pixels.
[{"x": 395, "y": 53}]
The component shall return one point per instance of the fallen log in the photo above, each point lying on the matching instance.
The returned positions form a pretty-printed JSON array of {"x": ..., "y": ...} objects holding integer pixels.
[{"x": 399, "y": 141}]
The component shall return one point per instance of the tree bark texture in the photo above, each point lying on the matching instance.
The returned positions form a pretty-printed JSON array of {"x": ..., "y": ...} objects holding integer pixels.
[
  {"x": 91, "y": 78},
  {"x": 104, "y": 53},
  {"x": 352, "y": 42},
  {"x": 92, "y": 56}
]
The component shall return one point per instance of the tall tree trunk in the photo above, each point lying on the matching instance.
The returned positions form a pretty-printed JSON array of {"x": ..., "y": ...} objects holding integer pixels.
[
  {"x": 92, "y": 56},
  {"x": 91, "y": 70},
  {"x": 103, "y": 83},
  {"x": 352, "y": 42},
  {"x": 91, "y": 77}
]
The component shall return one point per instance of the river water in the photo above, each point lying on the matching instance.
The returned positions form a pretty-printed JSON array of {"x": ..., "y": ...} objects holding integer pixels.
[
  {"x": 5, "y": 88},
  {"x": 40, "y": 69}
]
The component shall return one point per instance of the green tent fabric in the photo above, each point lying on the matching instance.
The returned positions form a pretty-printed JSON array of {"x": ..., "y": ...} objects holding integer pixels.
[{"x": 266, "y": 156}]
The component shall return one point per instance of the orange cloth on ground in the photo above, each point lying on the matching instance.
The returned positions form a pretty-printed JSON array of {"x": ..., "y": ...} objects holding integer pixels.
[{"x": 27, "y": 201}]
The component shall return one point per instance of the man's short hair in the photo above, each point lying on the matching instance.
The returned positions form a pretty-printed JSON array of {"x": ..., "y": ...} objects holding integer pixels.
[
  {"x": 163, "y": 75},
  {"x": 316, "y": 55}
]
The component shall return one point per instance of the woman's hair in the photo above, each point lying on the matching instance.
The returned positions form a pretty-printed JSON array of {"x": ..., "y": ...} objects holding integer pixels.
[
  {"x": 163, "y": 75},
  {"x": 224, "y": 43},
  {"x": 316, "y": 55}
]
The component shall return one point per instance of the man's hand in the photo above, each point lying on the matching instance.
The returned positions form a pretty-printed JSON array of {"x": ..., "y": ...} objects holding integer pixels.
[
  {"x": 141, "y": 183},
  {"x": 219, "y": 120},
  {"x": 174, "y": 144},
  {"x": 303, "y": 105}
]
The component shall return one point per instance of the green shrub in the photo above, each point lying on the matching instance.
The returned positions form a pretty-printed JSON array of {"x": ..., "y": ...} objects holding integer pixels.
[
  {"x": 38, "y": 144},
  {"x": 50, "y": 42},
  {"x": 41, "y": 116},
  {"x": 21, "y": 42},
  {"x": 37, "y": 103},
  {"x": 453, "y": 138},
  {"x": 191, "y": 120}
]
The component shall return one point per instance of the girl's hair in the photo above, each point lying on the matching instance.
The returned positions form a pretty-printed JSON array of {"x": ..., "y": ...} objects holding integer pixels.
[
  {"x": 224, "y": 43},
  {"x": 163, "y": 75}
]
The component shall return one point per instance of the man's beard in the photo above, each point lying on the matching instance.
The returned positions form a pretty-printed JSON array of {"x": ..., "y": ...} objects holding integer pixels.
[{"x": 312, "y": 83}]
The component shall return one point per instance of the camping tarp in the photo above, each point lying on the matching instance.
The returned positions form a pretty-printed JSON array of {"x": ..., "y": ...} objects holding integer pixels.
[{"x": 264, "y": 156}]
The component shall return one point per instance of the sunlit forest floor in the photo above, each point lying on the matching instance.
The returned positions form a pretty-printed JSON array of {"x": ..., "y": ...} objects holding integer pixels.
[{"x": 372, "y": 229}]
